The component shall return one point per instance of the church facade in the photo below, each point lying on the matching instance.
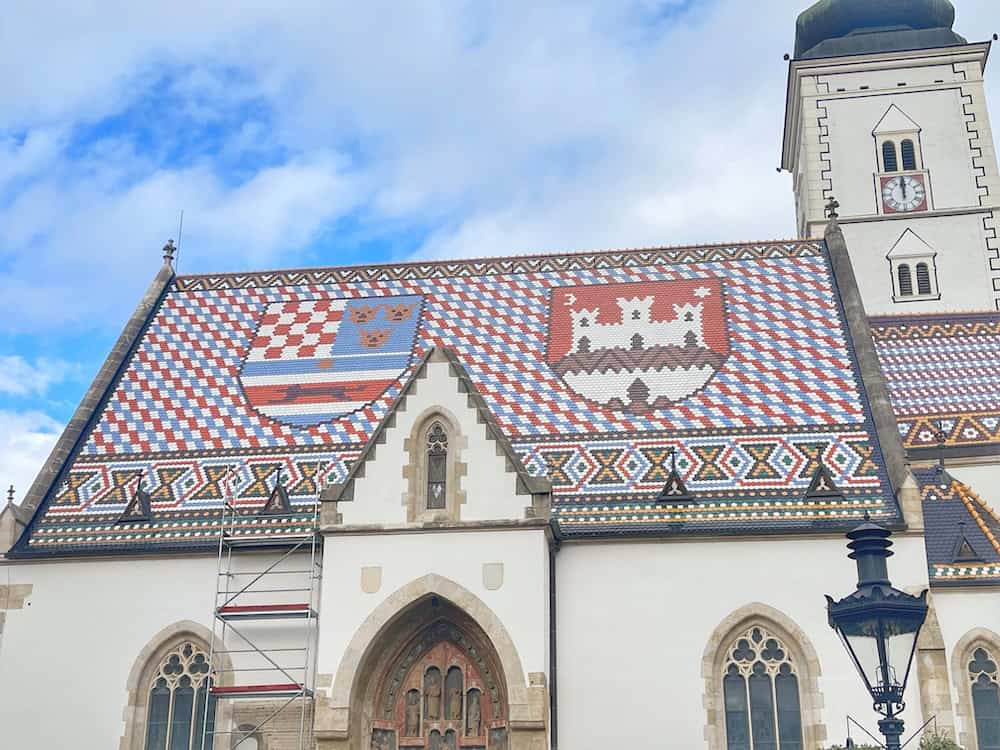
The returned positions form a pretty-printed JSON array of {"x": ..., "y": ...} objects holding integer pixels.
[{"x": 583, "y": 500}]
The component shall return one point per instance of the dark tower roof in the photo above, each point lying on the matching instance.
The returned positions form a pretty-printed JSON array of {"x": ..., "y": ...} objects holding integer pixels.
[{"x": 830, "y": 28}]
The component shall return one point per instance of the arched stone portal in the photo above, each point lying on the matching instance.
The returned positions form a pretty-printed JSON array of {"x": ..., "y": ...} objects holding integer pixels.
[{"x": 432, "y": 668}]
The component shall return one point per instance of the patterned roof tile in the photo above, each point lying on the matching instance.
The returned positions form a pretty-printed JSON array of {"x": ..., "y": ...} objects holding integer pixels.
[{"x": 599, "y": 368}]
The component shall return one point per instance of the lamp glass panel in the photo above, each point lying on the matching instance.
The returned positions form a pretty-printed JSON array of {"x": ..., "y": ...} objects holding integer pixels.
[
  {"x": 864, "y": 647},
  {"x": 899, "y": 647}
]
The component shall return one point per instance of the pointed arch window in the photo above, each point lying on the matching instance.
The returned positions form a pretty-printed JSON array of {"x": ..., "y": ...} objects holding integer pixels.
[
  {"x": 889, "y": 161},
  {"x": 760, "y": 686},
  {"x": 178, "y": 700},
  {"x": 905, "y": 280},
  {"x": 437, "y": 466},
  {"x": 909, "y": 154},
  {"x": 985, "y": 686}
]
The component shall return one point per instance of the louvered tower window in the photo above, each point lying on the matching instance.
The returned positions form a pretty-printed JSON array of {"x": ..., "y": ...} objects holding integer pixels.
[
  {"x": 923, "y": 279},
  {"x": 889, "y": 162},
  {"x": 437, "y": 466},
  {"x": 909, "y": 154},
  {"x": 905, "y": 280}
]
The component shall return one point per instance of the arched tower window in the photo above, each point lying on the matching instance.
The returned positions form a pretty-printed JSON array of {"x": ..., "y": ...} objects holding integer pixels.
[
  {"x": 909, "y": 154},
  {"x": 923, "y": 279},
  {"x": 984, "y": 684},
  {"x": 437, "y": 466},
  {"x": 178, "y": 699},
  {"x": 760, "y": 685},
  {"x": 889, "y": 162},
  {"x": 905, "y": 280}
]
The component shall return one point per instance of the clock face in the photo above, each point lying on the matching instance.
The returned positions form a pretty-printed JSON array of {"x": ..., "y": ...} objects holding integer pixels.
[{"x": 904, "y": 193}]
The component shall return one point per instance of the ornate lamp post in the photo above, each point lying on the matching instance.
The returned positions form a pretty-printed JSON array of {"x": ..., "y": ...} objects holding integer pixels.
[{"x": 879, "y": 625}]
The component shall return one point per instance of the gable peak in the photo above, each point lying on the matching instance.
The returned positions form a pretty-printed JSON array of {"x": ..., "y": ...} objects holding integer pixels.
[
  {"x": 895, "y": 120},
  {"x": 911, "y": 245}
]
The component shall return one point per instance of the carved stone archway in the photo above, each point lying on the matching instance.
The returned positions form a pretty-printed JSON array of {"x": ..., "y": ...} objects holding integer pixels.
[{"x": 431, "y": 620}]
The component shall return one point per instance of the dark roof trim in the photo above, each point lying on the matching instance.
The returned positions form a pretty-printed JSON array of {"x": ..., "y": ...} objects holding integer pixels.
[{"x": 88, "y": 412}]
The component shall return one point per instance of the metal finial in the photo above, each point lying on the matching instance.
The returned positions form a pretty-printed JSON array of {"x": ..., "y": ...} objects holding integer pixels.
[
  {"x": 168, "y": 251},
  {"x": 831, "y": 208},
  {"x": 941, "y": 436},
  {"x": 10, "y": 495}
]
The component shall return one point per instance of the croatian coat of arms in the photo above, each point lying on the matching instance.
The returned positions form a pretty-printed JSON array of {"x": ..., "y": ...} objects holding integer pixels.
[
  {"x": 638, "y": 346},
  {"x": 315, "y": 360}
]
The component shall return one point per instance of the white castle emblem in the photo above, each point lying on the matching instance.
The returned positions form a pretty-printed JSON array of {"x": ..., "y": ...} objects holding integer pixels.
[
  {"x": 637, "y": 329},
  {"x": 639, "y": 363}
]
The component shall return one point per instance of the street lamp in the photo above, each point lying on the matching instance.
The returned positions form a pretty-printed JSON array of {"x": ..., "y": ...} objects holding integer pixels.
[{"x": 878, "y": 625}]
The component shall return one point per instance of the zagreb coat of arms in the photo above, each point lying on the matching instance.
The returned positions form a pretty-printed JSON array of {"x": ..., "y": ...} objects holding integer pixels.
[
  {"x": 638, "y": 346},
  {"x": 314, "y": 360}
]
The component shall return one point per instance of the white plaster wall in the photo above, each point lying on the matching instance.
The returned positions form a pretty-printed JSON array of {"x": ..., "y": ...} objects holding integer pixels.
[
  {"x": 960, "y": 610},
  {"x": 943, "y": 139},
  {"x": 65, "y": 657},
  {"x": 961, "y": 262},
  {"x": 521, "y": 603},
  {"x": 379, "y": 496},
  {"x": 633, "y": 621},
  {"x": 983, "y": 478}
]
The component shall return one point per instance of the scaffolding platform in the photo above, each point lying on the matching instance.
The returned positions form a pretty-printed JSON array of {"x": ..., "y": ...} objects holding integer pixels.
[{"x": 263, "y": 576}]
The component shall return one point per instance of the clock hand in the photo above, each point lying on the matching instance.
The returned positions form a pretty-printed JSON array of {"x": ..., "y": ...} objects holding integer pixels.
[{"x": 902, "y": 184}]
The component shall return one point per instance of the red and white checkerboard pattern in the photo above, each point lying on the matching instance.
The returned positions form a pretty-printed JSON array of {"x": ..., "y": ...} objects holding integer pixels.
[{"x": 296, "y": 330}]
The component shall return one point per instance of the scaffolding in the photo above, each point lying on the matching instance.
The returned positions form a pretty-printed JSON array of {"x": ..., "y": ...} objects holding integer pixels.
[{"x": 265, "y": 622}]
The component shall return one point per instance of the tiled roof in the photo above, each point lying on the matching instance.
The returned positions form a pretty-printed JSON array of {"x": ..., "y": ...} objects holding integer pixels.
[
  {"x": 943, "y": 373},
  {"x": 596, "y": 367},
  {"x": 962, "y": 536}
]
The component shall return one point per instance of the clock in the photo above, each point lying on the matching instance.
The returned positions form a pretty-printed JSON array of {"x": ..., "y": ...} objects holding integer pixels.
[{"x": 903, "y": 193}]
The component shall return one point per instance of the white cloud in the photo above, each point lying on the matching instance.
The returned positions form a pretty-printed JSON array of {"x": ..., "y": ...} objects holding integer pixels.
[
  {"x": 492, "y": 128},
  {"x": 26, "y": 438},
  {"x": 19, "y": 377}
]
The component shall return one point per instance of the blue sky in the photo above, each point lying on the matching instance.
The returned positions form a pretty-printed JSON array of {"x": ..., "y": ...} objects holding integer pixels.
[{"x": 322, "y": 133}]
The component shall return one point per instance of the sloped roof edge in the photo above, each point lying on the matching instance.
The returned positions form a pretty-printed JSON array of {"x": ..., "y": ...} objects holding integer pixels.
[{"x": 90, "y": 406}]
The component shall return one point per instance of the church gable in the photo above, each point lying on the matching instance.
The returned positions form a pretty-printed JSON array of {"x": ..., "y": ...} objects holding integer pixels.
[
  {"x": 600, "y": 372},
  {"x": 437, "y": 457}
]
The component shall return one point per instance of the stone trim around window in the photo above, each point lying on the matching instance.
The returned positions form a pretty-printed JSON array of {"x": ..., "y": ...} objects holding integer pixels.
[
  {"x": 415, "y": 468},
  {"x": 794, "y": 638},
  {"x": 960, "y": 656},
  {"x": 147, "y": 664}
]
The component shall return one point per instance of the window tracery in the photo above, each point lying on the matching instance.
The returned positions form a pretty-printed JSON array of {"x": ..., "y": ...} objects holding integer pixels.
[
  {"x": 984, "y": 684},
  {"x": 178, "y": 698},
  {"x": 437, "y": 466},
  {"x": 760, "y": 685}
]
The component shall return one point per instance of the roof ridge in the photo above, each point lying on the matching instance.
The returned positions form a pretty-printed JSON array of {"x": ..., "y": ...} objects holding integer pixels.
[{"x": 510, "y": 257}]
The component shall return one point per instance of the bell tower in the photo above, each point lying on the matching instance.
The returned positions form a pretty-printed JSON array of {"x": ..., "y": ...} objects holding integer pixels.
[{"x": 886, "y": 111}]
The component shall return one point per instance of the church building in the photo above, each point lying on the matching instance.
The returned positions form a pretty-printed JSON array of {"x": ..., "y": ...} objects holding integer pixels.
[{"x": 580, "y": 501}]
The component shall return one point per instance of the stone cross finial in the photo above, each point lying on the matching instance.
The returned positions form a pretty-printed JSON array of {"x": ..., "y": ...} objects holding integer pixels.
[
  {"x": 831, "y": 208},
  {"x": 10, "y": 495},
  {"x": 168, "y": 251}
]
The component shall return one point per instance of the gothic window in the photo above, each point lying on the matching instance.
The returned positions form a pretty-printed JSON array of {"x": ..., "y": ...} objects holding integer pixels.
[
  {"x": 437, "y": 466},
  {"x": 905, "y": 280},
  {"x": 909, "y": 154},
  {"x": 889, "y": 163},
  {"x": 760, "y": 686},
  {"x": 985, "y": 686},
  {"x": 178, "y": 698}
]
